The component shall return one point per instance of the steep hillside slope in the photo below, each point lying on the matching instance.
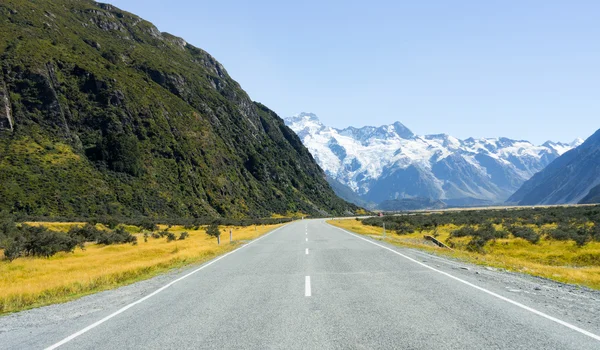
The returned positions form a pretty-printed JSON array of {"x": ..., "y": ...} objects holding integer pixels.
[
  {"x": 592, "y": 197},
  {"x": 390, "y": 162},
  {"x": 100, "y": 113},
  {"x": 568, "y": 179}
]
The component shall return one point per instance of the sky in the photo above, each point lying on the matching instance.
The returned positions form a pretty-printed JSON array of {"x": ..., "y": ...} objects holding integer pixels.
[{"x": 520, "y": 69}]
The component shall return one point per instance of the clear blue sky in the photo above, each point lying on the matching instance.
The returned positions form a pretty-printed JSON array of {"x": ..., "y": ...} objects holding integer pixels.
[{"x": 521, "y": 69}]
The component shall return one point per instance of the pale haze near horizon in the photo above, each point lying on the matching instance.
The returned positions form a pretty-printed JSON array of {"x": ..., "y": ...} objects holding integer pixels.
[{"x": 520, "y": 69}]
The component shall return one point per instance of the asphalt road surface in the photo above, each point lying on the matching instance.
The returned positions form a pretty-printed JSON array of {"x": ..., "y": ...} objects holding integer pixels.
[{"x": 309, "y": 285}]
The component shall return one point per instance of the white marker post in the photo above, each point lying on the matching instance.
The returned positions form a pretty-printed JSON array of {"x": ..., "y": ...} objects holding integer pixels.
[{"x": 384, "y": 230}]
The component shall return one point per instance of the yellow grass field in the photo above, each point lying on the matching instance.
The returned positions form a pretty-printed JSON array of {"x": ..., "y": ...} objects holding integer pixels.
[
  {"x": 562, "y": 261},
  {"x": 31, "y": 282}
]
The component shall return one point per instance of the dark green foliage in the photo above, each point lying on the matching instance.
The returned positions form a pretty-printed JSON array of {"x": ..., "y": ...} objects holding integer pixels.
[
  {"x": 524, "y": 232},
  {"x": 118, "y": 236},
  {"x": 579, "y": 224},
  {"x": 148, "y": 224},
  {"x": 183, "y": 235},
  {"x": 114, "y": 118},
  {"x": 561, "y": 233},
  {"x": 171, "y": 237},
  {"x": 26, "y": 240},
  {"x": 88, "y": 232},
  {"x": 109, "y": 221},
  {"x": 464, "y": 231},
  {"x": 213, "y": 230},
  {"x": 582, "y": 236},
  {"x": 160, "y": 234},
  {"x": 481, "y": 235}
]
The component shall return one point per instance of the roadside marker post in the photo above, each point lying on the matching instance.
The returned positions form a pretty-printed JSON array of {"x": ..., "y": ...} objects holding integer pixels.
[
  {"x": 229, "y": 235},
  {"x": 384, "y": 230}
]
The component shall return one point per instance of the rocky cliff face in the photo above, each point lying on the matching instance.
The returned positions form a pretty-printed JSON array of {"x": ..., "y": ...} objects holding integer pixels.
[
  {"x": 6, "y": 122},
  {"x": 101, "y": 113},
  {"x": 390, "y": 162}
]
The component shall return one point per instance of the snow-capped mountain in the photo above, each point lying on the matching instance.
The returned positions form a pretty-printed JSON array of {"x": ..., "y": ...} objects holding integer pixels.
[{"x": 390, "y": 162}]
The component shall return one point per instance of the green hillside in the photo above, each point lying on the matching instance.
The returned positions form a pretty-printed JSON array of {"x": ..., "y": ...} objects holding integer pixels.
[{"x": 100, "y": 113}]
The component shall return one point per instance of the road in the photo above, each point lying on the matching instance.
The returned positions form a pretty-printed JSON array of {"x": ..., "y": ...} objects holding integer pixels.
[{"x": 309, "y": 285}]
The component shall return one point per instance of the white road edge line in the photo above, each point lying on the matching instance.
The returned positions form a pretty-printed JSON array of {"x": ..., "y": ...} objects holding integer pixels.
[
  {"x": 539, "y": 313},
  {"x": 126, "y": 307},
  {"x": 306, "y": 251},
  {"x": 307, "y": 291}
]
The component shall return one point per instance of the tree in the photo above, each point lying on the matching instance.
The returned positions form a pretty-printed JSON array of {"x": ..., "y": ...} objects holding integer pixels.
[{"x": 213, "y": 231}]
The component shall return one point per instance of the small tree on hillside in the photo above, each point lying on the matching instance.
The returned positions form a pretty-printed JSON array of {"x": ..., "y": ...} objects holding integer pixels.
[{"x": 213, "y": 231}]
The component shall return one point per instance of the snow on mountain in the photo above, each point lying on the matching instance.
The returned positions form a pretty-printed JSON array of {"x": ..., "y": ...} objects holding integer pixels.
[{"x": 390, "y": 162}]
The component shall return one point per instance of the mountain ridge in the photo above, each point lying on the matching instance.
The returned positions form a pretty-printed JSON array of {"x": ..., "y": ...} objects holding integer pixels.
[
  {"x": 106, "y": 115},
  {"x": 568, "y": 179},
  {"x": 391, "y": 162}
]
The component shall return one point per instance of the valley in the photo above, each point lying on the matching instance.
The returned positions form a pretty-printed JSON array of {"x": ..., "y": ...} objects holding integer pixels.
[
  {"x": 370, "y": 165},
  {"x": 149, "y": 201}
]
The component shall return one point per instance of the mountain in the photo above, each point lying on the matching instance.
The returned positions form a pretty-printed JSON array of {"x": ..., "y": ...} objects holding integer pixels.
[
  {"x": 592, "y": 197},
  {"x": 346, "y": 193},
  {"x": 568, "y": 179},
  {"x": 391, "y": 162},
  {"x": 411, "y": 204},
  {"x": 101, "y": 113}
]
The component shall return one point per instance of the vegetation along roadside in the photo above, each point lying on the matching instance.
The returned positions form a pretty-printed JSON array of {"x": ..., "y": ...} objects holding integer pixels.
[
  {"x": 560, "y": 243},
  {"x": 50, "y": 262}
]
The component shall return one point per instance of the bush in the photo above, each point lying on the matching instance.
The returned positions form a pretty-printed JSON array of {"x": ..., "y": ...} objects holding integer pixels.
[
  {"x": 117, "y": 236},
  {"x": 582, "y": 236},
  {"x": 561, "y": 233},
  {"x": 183, "y": 235},
  {"x": 213, "y": 230},
  {"x": 13, "y": 249},
  {"x": 148, "y": 224},
  {"x": 88, "y": 232},
  {"x": 109, "y": 222},
  {"x": 524, "y": 232},
  {"x": 463, "y": 231},
  {"x": 477, "y": 244},
  {"x": 171, "y": 237},
  {"x": 38, "y": 241}
]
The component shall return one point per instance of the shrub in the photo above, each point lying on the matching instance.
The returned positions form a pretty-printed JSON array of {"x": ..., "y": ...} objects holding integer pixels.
[
  {"x": 524, "y": 232},
  {"x": 88, "y": 232},
  {"x": 13, "y": 249},
  {"x": 149, "y": 225},
  {"x": 117, "y": 236},
  {"x": 183, "y": 235},
  {"x": 477, "y": 244},
  {"x": 109, "y": 222},
  {"x": 582, "y": 236},
  {"x": 213, "y": 230},
  {"x": 561, "y": 233},
  {"x": 171, "y": 237},
  {"x": 39, "y": 241},
  {"x": 463, "y": 231}
]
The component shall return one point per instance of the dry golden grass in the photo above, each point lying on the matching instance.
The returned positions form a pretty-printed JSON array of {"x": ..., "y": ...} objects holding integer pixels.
[
  {"x": 32, "y": 282},
  {"x": 562, "y": 261}
]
